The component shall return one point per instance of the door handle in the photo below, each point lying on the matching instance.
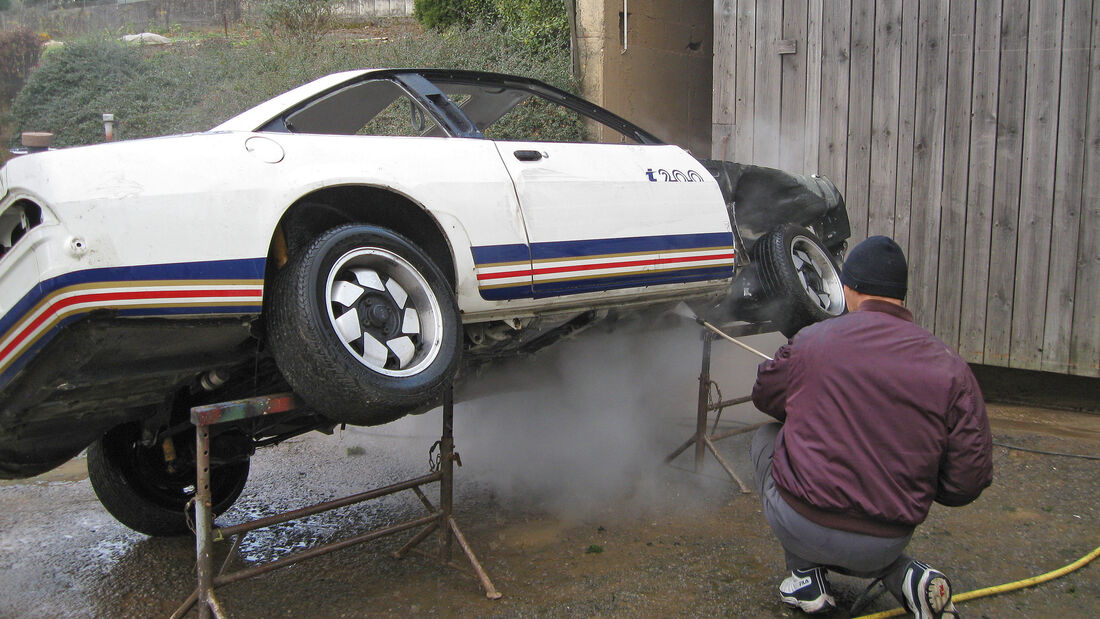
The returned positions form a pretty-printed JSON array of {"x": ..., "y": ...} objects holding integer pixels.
[{"x": 528, "y": 155}]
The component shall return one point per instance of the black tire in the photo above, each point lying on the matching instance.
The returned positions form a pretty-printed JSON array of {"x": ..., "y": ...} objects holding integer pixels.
[
  {"x": 800, "y": 278},
  {"x": 135, "y": 485},
  {"x": 355, "y": 348}
]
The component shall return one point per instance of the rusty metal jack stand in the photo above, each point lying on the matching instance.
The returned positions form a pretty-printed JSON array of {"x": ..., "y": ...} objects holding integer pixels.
[
  {"x": 205, "y": 534},
  {"x": 702, "y": 439}
]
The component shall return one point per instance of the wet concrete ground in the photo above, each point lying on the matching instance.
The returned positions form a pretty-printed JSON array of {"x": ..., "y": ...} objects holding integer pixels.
[{"x": 571, "y": 512}]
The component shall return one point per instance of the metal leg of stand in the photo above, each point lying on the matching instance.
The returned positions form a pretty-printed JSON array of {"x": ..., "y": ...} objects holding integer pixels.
[
  {"x": 701, "y": 439},
  {"x": 446, "y": 524},
  {"x": 204, "y": 522},
  {"x": 704, "y": 393},
  {"x": 446, "y": 484},
  {"x": 438, "y": 520}
]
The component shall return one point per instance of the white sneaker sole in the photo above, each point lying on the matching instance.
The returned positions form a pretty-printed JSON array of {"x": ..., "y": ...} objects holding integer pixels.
[{"x": 822, "y": 604}]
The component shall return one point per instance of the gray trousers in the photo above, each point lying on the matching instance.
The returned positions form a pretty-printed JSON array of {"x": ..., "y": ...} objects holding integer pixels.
[{"x": 808, "y": 544}]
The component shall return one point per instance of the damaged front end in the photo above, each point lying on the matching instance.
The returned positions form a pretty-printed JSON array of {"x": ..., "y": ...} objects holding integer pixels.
[{"x": 791, "y": 232}]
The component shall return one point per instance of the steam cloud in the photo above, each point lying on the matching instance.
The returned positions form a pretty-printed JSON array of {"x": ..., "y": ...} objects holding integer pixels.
[{"x": 589, "y": 421}]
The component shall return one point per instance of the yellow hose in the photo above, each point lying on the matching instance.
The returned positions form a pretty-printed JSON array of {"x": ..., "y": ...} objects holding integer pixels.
[{"x": 1012, "y": 586}]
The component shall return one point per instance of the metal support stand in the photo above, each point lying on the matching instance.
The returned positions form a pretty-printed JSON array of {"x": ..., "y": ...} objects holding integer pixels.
[
  {"x": 702, "y": 439},
  {"x": 205, "y": 534}
]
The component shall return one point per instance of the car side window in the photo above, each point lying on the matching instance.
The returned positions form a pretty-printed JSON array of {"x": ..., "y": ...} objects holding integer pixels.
[
  {"x": 16, "y": 221},
  {"x": 538, "y": 120},
  {"x": 515, "y": 113},
  {"x": 403, "y": 117},
  {"x": 372, "y": 107}
]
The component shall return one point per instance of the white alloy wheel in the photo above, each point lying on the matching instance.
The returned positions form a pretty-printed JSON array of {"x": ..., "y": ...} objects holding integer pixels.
[
  {"x": 384, "y": 311},
  {"x": 818, "y": 276}
]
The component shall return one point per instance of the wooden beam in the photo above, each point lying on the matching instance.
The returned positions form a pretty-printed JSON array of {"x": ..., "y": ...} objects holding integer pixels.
[
  {"x": 832, "y": 151},
  {"x": 860, "y": 89},
  {"x": 979, "y": 191},
  {"x": 1085, "y": 350},
  {"x": 725, "y": 63},
  {"x": 1044, "y": 60},
  {"x": 813, "y": 87},
  {"x": 952, "y": 233},
  {"x": 744, "y": 105},
  {"x": 792, "y": 141},
  {"x": 924, "y": 230},
  {"x": 910, "y": 35},
  {"x": 1006, "y": 182},
  {"x": 886, "y": 98},
  {"x": 769, "y": 69},
  {"x": 1062, "y": 299}
]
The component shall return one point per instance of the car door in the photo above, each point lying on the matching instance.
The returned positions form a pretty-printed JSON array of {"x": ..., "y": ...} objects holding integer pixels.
[{"x": 604, "y": 217}]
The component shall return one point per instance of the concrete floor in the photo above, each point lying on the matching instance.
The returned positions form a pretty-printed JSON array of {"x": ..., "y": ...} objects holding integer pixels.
[{"x": 564, "y": 497}]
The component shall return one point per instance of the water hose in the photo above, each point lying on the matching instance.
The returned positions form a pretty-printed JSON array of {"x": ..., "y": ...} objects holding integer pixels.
[{"x": 1012, "y": 586}]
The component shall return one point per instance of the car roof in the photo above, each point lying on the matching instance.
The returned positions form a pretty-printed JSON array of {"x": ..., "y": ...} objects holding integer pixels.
[{"x": 257, "y": 117}]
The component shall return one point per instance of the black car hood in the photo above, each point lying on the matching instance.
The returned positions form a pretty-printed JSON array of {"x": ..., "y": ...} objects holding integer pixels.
[{"x": 762, "y": 198}]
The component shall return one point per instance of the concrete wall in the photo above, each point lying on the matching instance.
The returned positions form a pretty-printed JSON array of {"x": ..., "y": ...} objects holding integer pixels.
[{"x": 653, "y": 66}]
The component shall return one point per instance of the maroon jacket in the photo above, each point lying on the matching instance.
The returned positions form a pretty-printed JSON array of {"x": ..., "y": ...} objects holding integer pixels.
[{"x": 880, "y": 419}]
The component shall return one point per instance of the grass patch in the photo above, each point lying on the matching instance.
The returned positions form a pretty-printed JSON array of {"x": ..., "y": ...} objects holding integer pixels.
[{"x": 196, "y": 85}]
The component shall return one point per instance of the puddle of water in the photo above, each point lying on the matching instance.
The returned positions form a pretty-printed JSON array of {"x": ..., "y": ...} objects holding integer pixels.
[
  {"x": 72, "y": 471},
  {"x": 1061, "y": 424}
]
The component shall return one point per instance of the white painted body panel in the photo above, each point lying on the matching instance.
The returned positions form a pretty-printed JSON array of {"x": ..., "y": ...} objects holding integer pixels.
[
  {"x": 205, "y": 197},
  {"x": 208, "y": 197},
  {"x": 597, "y": 191}
]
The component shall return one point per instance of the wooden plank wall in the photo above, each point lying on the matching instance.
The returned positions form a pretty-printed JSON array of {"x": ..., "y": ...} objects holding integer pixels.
[{"x": 968, "y": 131}]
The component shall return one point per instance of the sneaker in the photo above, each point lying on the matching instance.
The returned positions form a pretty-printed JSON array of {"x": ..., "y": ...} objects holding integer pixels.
[
  {"x": 808, "y": 590},
  {"x": 927, "y": 592}
]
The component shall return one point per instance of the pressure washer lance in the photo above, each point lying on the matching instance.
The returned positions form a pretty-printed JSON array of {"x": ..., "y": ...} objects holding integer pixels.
[{"x": 682, "y": 309}]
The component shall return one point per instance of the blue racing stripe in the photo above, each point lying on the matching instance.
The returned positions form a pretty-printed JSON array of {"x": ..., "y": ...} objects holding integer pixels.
[
  {"x": 601, "y": 247},
  {"x": 551, "y": 289},
  {"x": 491, "y": 254},
  {"x": 248, "y": 268}
]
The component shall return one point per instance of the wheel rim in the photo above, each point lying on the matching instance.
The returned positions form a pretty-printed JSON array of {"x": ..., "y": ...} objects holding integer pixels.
[
  {"x": 147, "y": 473},
  {"x": 384, "y": 312},
  {"x": 818, "y": 276}
]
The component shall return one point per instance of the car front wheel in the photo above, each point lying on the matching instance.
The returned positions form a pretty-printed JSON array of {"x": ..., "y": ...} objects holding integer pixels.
[
  {"x": 799, "y": 278},
  {"x": 364, "y": 326}
]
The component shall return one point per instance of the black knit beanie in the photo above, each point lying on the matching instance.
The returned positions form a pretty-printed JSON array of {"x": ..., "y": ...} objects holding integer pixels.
[{"x": 876, "y": 267}]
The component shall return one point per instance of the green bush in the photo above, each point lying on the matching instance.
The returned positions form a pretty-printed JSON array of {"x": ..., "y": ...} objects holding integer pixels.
[
  {"x": 440, "y": 14},
  {"x": 5, "y": 5},
  {"x": 179, "y": 89},
  {"x": 74, "y": 86},
  {"x": 539, "y": 26},
  {"x": 307, "y": 20},
  {"x": 19, "y": 52}
]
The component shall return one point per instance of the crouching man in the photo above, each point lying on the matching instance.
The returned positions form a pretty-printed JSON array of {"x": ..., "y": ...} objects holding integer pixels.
[{"x": 879, "y": 418}]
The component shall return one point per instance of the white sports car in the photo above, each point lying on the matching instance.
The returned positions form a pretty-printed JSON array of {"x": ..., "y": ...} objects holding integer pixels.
[{"x": 357, "y": 239}]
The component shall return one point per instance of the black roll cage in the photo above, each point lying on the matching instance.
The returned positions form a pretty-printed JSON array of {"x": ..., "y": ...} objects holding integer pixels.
[{"x": 418, "y": 83}]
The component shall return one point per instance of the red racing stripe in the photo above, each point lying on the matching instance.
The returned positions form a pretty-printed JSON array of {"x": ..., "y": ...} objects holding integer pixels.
[
  {"x": 629, "y": 263},
  {"x": 57, "y": 306},
  {"x": 604, "y": 265},
  {"x": 504, "y": 274}
]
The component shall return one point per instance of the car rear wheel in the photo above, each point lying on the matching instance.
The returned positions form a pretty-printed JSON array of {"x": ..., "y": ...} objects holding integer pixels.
[
  {"x": 799, "y": 277},
  {"x": 143, "y": 491},
  {"x": 364, "y": 326}
]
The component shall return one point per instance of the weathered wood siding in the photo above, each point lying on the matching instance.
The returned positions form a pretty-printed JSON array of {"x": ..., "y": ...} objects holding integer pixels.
[{"x": 968, "y": 131}]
